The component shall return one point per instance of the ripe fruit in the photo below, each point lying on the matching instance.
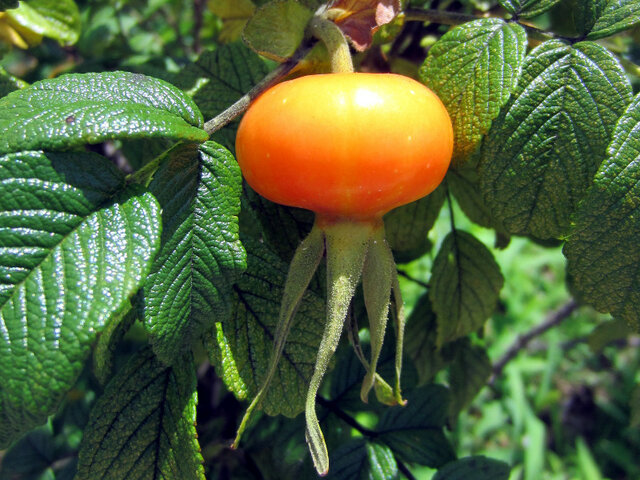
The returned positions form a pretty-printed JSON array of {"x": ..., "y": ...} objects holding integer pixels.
[{"x": 350, "y": 147}]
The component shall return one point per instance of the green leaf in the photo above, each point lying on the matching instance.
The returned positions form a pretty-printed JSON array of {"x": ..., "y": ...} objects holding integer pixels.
[
  {"x": 201, "y": 257},
  {"x": 56, "y": 19},
  {"x": 634, "y": 403},
  {"x": 473, "y": 68},
  {"x": 218, "y": 79},
  {"x": 407, "y": 226},
  {"x": 71, "y": 258},
  {"x": 143, "y": 426},
  {"x": 362, "y": 460},
  {"x": 477, "y": 468},
  {"x": 104, "y": 352},
  {"x": 527, "y": 8},
  {"x": 468, "y": 374},
  {"x": 586, "y": 13},
  {"x": 414, "y": 432},
  {"x": 241, "y": 345},
  {"x": 602, "y": 251},
  {"x": 543, "y": 150},
  {"x": 616, "y": 16},
  {"x": 606, "y": 333},
  {"x": 464, "y": 184},
  {"x": 7, "y": 4},
  {"x": 73, "y": 110},
  {"x": 466, "y": 283},
  {"x": 276, "y": 29},
  {"x": 30, "y": 457},
  {"x": 9, "y": 83}
]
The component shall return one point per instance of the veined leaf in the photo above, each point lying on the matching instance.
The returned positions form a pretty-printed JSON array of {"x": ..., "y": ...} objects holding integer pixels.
[
  {"x": 586, "y": 13},
  {"x": 70, "y": 258},
  {"x": 468, "y": 373},
  {"x": 464, "y": 184},
  {"x": 527, "y": 8},
  {"x": 541, "y": 153},
  {"x": 362, "y": 460},
  {"x": 241, "y": 345},
  {"x": 473, "y": 68},
  {"x": 56, "y": 19},
  {"x": 414, "y": 432},
  {"x": 466, "y": 283},
  {"x": 143, "y": 426},
  {"x": 602, "y": 251},
  {"x": 76, "y": 109},
  {"x": 477, "y": 468},
  {"x": 616, "y": 16},
  {"x": 191, "y": 281}
]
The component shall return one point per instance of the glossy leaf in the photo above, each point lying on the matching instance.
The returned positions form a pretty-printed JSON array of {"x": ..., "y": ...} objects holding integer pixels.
[
  {"x": 473, "y": 68},
  {"x": 76, "y": 109},
  {"x": 478, "y": 468},
  {"x": 191, "y": 281},
  {"x": 616, "y": 16},
  {"x": 241, "y": 345},
  {"x": 75, "y": 246},
  {"x": 415, "y": 432},
  {"x": 143, "y": 426},
  {"x": 541, "y": 153},
  {"x": 602, "y": 251},
  {"x": 56, "y": 19},
  {"x": 468, "y": 373},
  {"x": 465, "y": 285},
  {"x": 362, "y": 460},
  {"x": 527, "y": 8}
]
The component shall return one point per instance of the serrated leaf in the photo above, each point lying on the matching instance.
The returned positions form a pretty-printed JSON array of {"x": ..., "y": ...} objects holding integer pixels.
[
  {"x": 56, "y": 19},
  {"x": 104, "y": 352},
  {"x": 362, "y": 460},
  {"x": 473, "y": 68},
  {"x": 276, "y": 29},
  {"x": 477, "y": 468},
  {"x": 218, "y": 79},
  {"x": 541, "y": 153},
  {"x": 143, "y": 426},
  {"x": 76, "y": 109},
  {"x": 414, "y": 432},
  {"x": 190, "y": 285},
  {"x": 75, "y": 245},
  {"x": 616, "y": 16},
  {"x": 241, "y": 345},
  {"x": 468, "y": 373},
  {"x": 466, "y": 283},
  {"x": 464, "y": 184},
  {"x": 586, "y": 13},
  {"x": 602, "y": 251},
  {"x": 406, "y": 227},
  {"x": 527, "y": 8}
]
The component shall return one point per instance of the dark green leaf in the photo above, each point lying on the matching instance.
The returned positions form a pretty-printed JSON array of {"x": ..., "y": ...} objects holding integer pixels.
[
  {"x": 464, "y": 184},
  {"x": 143, "y": 426},
  {"x": 618, "y": 15},
  {"x": 191, "y": 282},
  {"x": 70, "y": 259},
  {"x": 362, "y": 460},
  {"x": 603, "y": 250},
  {"x": 7, "y": 4},
  {"x": 468, "y": 373},
  {"x": 476, "y": 468},
  {"x": 466, "y": 283},
  {"x": 77, "y": 109},
  {"x": 414, "y": 432},
  {"x": 527, "y": 8},
  {"x": 407, "y": 227},
  {"x": 586, "y": 13},
  {"x": 30, "y": 457},
  {"x": 635, "y": 406},
  {"x": 218, "y": 79},
  {"x": 9, "y": 83},
  {"x": 56, "y": 19},
  {"x": 543, "y": 150},
  {"x": 105, "y": 349},
  {"x": 241, "y": 346},
  {"x": 473, "y": 68},
  {"x": 608, "y": 332}
]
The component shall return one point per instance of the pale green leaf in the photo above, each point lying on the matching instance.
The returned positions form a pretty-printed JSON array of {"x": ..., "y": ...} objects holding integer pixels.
[
  {"x": 527, "y": 8},
  {"x": 75, "y": 245},
  {"x": 476, "y": 468},
  {"x": 603, "y": 252},
  {"x": 465, "y": 285},
  {"x": 473, "y": 68},
  {"x": 362, "y": 460},
  {"x": 143, "y": 426},
  {"x": 541, "y": 153},
  {"x": 618, "y": 15},
  {"x": 76, "y": 109},
  {"x": 56, "y": 19}
]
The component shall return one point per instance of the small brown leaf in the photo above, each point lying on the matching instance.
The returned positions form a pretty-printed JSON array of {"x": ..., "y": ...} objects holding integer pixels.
[{"x": 359, "y": 19}]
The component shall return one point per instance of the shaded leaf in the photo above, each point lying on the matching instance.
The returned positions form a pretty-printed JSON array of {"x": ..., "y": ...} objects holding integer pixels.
[
  {"x": 464, "y": 184},
  {"x": 7, "y": 4},
  {"x": 473, "y": 68},
  {"x": 362, "y": 460},
  {"x": 477, "y": 468},
  {"x": 469, "y": 371},
  {"x": 76, "y": 109},
  {"x": 234, "y": 15},
  {"x": 56, "y": 19},
  {"x": 104, "y": 352},
  {"x": 527, "y": 8},
  {"x": 616, "y": 16},
  {"x": 415, "y": 432},
  {"x": 541, "y": 153},
  {"x": 75, "y": 246},
  {"x": 606, "y": 333},
  {"x": 143, "y": 426},
  {"x": 465, "y": 285},
  {"x": 9, "y": 83},
  {"x": 602, "y": 251},
  {"x": 29, "y": 457},
  {"x": 190, "y": 285},
  {"x": 241, "y": 345},
  {"x": 360, "y": 19},
  {"x": 586, "y": 13},
  {"x": 635, "y": 406}
]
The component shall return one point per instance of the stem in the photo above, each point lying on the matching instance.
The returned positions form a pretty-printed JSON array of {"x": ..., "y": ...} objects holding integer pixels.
[
  {"x": 438, "y": 16},
  {"x": 334, "y": 40}
]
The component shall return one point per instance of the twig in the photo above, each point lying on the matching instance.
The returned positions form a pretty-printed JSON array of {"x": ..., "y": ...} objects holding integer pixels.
[
  {"x": 555, "y": 318},
  {"x": 404, "y": 274}
]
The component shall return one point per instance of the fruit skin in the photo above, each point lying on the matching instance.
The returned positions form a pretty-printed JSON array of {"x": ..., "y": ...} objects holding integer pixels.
[{"x": 345, "y": 145}]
